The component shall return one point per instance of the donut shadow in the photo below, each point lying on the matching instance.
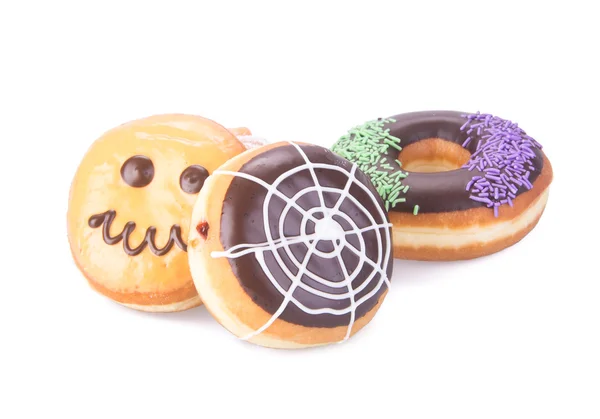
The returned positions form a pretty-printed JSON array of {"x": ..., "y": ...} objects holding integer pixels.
[
  {"x": 411, "y": 272},
  {"x": 196, "y": 315},
  {"x": 333, "y": 346}
]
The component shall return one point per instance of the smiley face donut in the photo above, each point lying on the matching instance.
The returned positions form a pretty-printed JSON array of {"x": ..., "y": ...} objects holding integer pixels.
[
  {"x": 290, "y": 246},
  {"x": 130, "y": 204},
  {"x": 456, "y": 185}
]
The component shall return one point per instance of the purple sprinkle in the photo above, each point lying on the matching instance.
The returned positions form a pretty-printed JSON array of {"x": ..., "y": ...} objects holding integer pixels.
[
  {"x": 504, "y": 153},
  {"x": 470, "y": 184},
  {"x": 496, "y": 178},
  {"x": 517, "y": 171},
  {"x": 478, "y": 199},
  {"x": 487, "y": 159}
]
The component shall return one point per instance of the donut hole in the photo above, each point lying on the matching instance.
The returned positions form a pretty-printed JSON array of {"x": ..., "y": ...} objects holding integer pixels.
[{"x": 433, "y": 155}]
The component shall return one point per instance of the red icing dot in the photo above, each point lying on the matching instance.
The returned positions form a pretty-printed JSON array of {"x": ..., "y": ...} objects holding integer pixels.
[{"x": 202, "y": 229}]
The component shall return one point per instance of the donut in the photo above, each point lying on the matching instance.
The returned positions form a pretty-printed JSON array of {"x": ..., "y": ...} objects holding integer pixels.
[
  {"x": 252, "y": 141},
  {"x": 130, "y": 204},
  {"x": 247, "y": 138},
  {"x": 290, "y": 246},
  {"x": 457, "y": 185}
]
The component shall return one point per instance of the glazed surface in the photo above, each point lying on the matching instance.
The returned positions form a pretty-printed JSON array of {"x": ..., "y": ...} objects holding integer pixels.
[{"x": 326, "y": 225}]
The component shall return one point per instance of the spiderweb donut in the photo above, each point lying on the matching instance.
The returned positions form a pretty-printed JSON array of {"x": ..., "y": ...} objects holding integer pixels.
[{"x": 307, "y": 237}]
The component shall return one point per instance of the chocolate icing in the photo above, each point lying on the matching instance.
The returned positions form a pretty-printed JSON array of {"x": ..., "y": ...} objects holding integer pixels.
[
  {"x": 192, "y": 179},
  {"x": 105, "y": 220},
  {"x": 242, "y": 222},
  {"x": 137, "y": 171},
  {"x": 440, "y": 191}
]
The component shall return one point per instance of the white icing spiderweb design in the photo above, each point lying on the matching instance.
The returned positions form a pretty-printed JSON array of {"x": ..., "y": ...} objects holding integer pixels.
[{"x": 346, "y": 236}]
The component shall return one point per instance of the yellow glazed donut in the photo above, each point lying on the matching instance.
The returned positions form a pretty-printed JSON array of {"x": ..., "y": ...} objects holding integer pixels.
[{"x": 130, "y": 205}]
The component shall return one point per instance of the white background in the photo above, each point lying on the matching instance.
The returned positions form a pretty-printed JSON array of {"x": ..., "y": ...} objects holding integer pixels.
[{"x": 513, "y": 335}]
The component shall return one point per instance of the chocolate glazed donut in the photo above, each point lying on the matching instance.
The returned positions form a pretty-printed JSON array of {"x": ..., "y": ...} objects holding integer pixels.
[
  {"x": 500, "y": 164},
  {"x": 447, "y": 191},
  {"x": 298, "y": 254},
  {"x": 244, "y": 205}
]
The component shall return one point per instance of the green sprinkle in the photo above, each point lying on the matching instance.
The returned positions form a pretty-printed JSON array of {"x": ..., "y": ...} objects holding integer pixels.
[
  {"x": 392, "y": 144},
  {"x": 416, "y": 210},
  {"x": 397, "y": 201},
  {"x": 372, "y": 148},
  {"x": 397, "y": 187}
]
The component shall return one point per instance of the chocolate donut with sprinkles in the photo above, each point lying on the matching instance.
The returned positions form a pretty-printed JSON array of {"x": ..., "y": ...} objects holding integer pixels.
[{"x": 456, "y": 185}]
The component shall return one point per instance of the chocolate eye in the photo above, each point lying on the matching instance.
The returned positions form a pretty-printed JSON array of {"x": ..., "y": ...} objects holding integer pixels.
[
  {"x": 137, "y": 171},
  {"x": 192, "y": 179}
]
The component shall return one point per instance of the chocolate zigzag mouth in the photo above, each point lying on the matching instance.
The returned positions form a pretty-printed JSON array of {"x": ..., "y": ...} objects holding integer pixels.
[{"x": 105, "y": 220}]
